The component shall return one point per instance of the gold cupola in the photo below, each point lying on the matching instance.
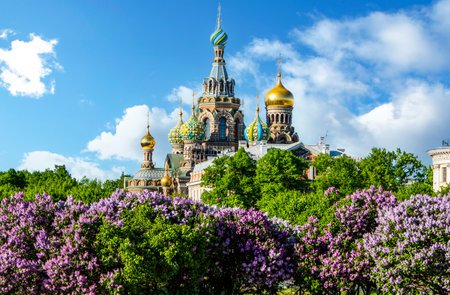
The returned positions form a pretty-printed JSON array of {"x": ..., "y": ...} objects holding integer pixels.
[
  {"x": 279, "y": 96},
  {"x": 166, "y": 181},
  {"x": 148, "y": 142}
]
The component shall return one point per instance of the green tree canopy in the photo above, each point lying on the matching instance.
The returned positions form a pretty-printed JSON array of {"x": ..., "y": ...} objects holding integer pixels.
[{"x": 232, "y": 180}]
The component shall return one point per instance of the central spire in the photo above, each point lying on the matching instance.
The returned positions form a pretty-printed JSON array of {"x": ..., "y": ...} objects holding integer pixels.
[{"x": 218, "y": 83}]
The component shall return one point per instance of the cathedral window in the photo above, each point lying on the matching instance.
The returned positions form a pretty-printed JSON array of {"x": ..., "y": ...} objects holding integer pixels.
[
  {"x": 207, "y": 129},
  {"x": 277, "y": 118},
  {"x": 222, "y": 129}
]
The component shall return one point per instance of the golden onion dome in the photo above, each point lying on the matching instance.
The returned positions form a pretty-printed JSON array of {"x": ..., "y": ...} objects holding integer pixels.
[
  {"x": 148, "y": 142},
  {"x": 166, "y": 181},
  {"x": 279, "y": 96}
]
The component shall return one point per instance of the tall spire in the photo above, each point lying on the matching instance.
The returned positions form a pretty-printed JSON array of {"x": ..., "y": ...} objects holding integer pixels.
[
  {"x": 218, "y": 19},
  {"x": 148, "y": 120},
  {"x": 181, "y": 108}
]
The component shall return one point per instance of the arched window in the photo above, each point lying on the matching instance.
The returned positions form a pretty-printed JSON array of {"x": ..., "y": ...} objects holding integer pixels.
[
  {"x": 207, "y": 129},
  {"x": 221, "y": 86},
  {"x": 282, "y": 118},
  {"x": 277, "y": 118},
  {"x": 222, "y": 129},
  {"x": 210, "y": 86}
]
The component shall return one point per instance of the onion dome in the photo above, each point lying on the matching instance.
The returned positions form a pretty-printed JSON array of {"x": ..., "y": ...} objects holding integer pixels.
[
  {"x": 192, "y": 129},
  {"x": 219, "y": 37},
  {"x": 148, "y": 142},
  {"x": 175, "y": 133},
  {"x": 257, "y": 130},
  {"x": 279, "y": 96},
  {"x": 166, "y": 181}
]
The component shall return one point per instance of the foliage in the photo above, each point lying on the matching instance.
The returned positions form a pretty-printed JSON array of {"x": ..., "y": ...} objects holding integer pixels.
[
  {"x": 58, "y": 183},
  {"x": 391, "y": 170},
  {"x": 281, "y": 171},
  {"x": 411, "y": 246},
  {"x": 232, "y": 181},
  {"x": 342, "y": 173}
]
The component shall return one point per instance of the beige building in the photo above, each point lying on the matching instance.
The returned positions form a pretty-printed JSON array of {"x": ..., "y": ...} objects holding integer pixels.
[{"x": 441, "y": 166}]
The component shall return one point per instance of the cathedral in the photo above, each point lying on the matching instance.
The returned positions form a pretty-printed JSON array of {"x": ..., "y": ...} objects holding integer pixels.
[{"x": 216, "y": 127}]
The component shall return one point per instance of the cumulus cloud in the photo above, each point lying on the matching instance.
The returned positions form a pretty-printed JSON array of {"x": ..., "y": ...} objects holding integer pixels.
[
  {"x": 366, "y": 81},
  {"x": 185, "y": 93},
  {"x": 78, "y": 167},
  {"x": 123, "y": 142},
  {"x": 26, "y": 66}
]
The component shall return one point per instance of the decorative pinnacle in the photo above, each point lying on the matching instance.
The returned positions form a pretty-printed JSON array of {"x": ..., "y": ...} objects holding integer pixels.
[
  {"x": 218, "y": 19},
  {"x": 181, "y": 107},
  {"x": 193, "y": 104},
  {"x": 257, "y": 104},
  {"x": 148, "y": 120},
  {"x": 279, "y": 66}
]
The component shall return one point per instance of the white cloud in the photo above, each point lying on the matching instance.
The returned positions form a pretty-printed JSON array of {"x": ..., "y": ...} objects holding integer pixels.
[
  {"x": 402, "y": 41},
  {"x": 25, "y": 66},
  {"x": 5, "y": 33},
  {"x": 78, "y": 167},
  {"x": 185, "y": 93},
  {"x": 123, "y": 143}
]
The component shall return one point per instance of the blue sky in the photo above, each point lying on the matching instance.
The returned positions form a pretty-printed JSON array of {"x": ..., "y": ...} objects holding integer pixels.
[{"x": 77, "y": 77}]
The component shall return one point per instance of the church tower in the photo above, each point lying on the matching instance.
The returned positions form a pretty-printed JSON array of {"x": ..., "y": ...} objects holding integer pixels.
[
  {"x": 279, "y": 104},
  {"x": 218, "y": 109}
]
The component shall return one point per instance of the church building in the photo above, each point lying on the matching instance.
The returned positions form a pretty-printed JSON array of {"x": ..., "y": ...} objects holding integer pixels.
[{"x": 216, "y": 127}]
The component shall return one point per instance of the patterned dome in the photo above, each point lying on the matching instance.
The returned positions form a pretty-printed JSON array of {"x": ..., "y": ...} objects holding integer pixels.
[
  {"x": 192, "y": 129},
  {"x": 219, "y": 37},
  {"x": 175, "y": 133},
  {"x": 257, "y": 130}
]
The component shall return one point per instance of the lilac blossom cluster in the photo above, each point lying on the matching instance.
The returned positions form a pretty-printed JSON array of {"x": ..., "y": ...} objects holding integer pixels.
[{"x": 411, "y": 246}]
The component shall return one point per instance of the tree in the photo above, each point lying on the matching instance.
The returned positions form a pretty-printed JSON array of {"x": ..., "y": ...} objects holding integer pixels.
[
  {"x": 342, "y": 173},
  {"x": 232, "y": 181},
  {"x": 281, "y": 171},
  {"x": 391, "y": 170}
]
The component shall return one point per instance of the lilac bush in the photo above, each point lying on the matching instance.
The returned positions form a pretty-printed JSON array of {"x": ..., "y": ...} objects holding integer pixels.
[
  {"x": 411, "y": 246},
  {"x": 252, "y": 252},
  {"x": 48, "y": 248},
  {"x": 336, "y": 260}
]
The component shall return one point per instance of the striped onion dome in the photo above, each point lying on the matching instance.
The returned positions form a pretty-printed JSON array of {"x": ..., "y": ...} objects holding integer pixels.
[
  {"x": 219, "y": 37},
  {"x": 257, "y": 130}
]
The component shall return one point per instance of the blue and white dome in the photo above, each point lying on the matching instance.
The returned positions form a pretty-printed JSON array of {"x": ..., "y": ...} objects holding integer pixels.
[{"x": 219, "y": 37}]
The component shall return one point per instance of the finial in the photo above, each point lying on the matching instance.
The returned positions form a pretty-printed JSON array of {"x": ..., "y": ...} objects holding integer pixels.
[
  {"x": 257, "y": 103},
  {"x": 218, "y": 19},
  {"x": 181, "y": 107},
  {"x": 193, "y": 99},
  {"x": 148, "y": 120},
  {"x": 279, "y": 66}
]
